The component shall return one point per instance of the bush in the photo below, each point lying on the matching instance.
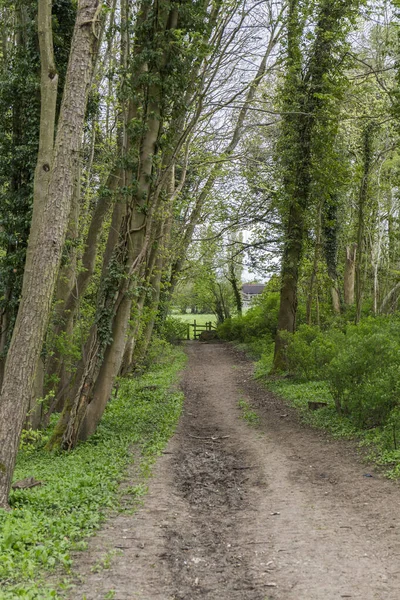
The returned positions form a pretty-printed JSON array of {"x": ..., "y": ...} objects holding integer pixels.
[
  {"x": 173, "y": 330},
  {"x": 259, "y": 323},
  {"x": 364, "y": 375},
  {"x": 360, "y": 364},
  {"x": 309, "y": 351}
]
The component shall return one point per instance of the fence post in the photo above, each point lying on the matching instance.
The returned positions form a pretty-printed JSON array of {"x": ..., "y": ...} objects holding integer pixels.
[
  {"x": 194, "y": 329},
  {"x": 188, "y": 331}
]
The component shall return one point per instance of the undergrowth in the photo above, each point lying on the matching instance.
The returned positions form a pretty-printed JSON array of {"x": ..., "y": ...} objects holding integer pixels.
[{"x": 47, "y": 523}]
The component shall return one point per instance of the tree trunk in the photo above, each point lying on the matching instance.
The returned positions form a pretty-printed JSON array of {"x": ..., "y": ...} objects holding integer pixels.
[
  {"x": 34, "y": 414},
  {"x": 56, "y": 372},
  {"x": 55, "y": 177},
  {"x": 349, "y": 274},
  {"x": 314, "y": 274},
  {"x": 330, "y": 222},
  {"x": 24, "y": 131},
  {"x": 362, "y": 207},
  {"x": 390, "y": 299},
  {"x": 235, "y": 287},
  {"x": 290, "y": 275},
  {"x": 335, "y": 299},
  {"x": 109, "y": 369}
]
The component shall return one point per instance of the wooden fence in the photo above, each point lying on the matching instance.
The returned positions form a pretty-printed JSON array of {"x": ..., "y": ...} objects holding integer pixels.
[{"x": 198, "y": 328}]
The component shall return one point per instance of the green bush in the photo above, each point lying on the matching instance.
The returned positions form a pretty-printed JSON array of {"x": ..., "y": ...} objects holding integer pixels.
[
  {"x": 258, "y": 323},
  {"x": 309, "y": 351},
  {"x": 173, "y": 330},
  {"x": 361, "y": 365},
  {"x": 364, "y": 375}
]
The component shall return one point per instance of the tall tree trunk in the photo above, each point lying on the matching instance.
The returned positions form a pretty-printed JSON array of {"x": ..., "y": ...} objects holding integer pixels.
[
  {"x": 330, "y": 228},
  {"x": 54, "y": 182},
  {"x": 349, "y": 274},
  {"x": 296, "y": 185},
  {"x": 23, "y": 129},
  {"x": 56, "y": 376},
  {"x": 314, "y": 274},
  {"x": 235, "y": 287},
  {"x": 362, "y": 207},
  {"x": 291, "y": 259}
]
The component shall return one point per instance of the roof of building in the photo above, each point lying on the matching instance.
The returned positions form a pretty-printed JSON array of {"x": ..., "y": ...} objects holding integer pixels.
[{"x": 253, "y": 288}]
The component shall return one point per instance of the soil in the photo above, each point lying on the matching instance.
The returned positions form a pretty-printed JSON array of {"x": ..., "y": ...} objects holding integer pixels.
[{"x": 272, "y": 511}]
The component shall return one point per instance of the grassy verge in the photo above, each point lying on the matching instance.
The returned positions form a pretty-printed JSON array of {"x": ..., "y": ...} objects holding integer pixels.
[
  {"x": 49, "y": 522},
  {"x": 383, "y": 447}
]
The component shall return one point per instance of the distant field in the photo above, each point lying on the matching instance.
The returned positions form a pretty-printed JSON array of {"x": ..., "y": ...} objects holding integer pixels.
[{"x": 200, "y": 319}]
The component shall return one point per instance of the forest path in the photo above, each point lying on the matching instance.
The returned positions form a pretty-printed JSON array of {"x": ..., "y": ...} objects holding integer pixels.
[{"x": 276, "y": 511}]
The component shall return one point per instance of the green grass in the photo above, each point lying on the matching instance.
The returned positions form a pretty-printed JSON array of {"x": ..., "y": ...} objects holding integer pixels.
[
  {"x": 49, "y": 522},
  {"x": 200, "y": 320},
  {"x": 248, "y": 414}
]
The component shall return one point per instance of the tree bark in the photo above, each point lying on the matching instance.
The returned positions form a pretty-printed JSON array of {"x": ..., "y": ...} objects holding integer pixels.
[
  {"x": 362, "y": 207},
  {"x": 104, "y": 381},
  {"x": 46, "y": 243},
  {"x": 314, "y": 274},
  {"x": 293, "y": 251},
  {"x": 331, "y": 230},
  {"x": 235, "y": 287},
  {"x": 349, "y": 274},
  {"x": 56, "y": 372},
  {"x": 20, "y": 173}
]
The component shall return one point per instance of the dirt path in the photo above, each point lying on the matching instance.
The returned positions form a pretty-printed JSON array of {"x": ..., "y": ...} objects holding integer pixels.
[{"x": 277, "y": 511}]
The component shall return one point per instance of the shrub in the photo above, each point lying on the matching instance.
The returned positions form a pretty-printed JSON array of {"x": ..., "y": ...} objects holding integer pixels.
[
  {"x": 364, "y": 375},
  {"x": 361, "y": 366},
  {"x": 309, "y": 351},
  {"x": 173, "y": 330},
  {"x": 259, "y": 322}
]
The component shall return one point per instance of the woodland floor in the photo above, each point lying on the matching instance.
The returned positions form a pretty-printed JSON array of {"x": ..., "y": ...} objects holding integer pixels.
[{"x": 275, "y": 511}]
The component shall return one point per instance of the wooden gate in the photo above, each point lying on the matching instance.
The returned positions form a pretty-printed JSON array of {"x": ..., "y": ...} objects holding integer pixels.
[{"x": 198, "y": 328}]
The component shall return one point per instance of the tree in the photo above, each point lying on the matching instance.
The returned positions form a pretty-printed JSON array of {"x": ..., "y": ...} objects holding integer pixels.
[
  {"x": 306, "y": 95},
  {"x": 53, "y": 189}
]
